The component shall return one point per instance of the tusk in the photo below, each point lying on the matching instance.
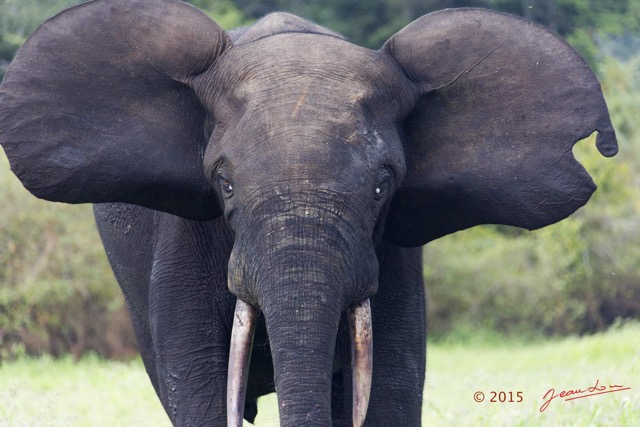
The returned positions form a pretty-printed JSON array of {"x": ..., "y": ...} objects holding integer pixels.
[
  {"x": 244, "y": 326},
  {"x": 361, "y": 358}
]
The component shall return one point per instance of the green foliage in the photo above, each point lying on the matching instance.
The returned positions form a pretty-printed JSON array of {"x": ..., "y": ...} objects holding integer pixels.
[
  {"x": 621, "y": 85},
  {"x": 19, "y": 18},
  {"x": 224, "y": 12},
  {"x": 57, "y": 293},
  {"x": 576, "y": 276},
  {"x": 586, "y": 23}
]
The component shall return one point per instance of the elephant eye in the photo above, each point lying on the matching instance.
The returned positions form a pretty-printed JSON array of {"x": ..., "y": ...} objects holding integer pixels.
[
  {"x": 382, "y": 188},
  {"x": 226, "y": 185}
]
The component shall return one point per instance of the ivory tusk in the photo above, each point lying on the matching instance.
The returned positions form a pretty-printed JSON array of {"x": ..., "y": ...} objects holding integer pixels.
[
  {"x": 244, "y": 326},
  {"x": 361, "y": 358}
]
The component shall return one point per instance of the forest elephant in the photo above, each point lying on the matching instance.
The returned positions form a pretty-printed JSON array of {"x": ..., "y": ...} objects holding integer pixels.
[{"x": 262, "y": 194}]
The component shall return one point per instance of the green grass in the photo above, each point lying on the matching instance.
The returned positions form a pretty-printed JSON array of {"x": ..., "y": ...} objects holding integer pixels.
[
  {"x": 94, "y": 392},
  {"x": 456, "y": 372},
  {"x": 90, "y": 392}
]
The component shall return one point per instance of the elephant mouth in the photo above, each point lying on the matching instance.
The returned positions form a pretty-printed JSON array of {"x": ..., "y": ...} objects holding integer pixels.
[{"x": 244, "y": 323}]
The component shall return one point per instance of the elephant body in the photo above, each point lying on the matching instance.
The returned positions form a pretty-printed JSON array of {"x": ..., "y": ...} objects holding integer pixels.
[
  {"x": 262, "y": 194},
  {"x": 194, "y": 258}
]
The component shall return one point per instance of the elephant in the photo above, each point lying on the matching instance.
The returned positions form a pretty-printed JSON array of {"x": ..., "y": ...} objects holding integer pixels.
[{"x": 263, "y": 193}]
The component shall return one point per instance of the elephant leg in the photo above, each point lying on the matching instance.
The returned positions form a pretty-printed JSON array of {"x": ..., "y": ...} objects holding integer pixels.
[
  {"x": 127, "y": 235},
  {"x": 190, "y": 316},
  {"x": 399, "y": 337}
]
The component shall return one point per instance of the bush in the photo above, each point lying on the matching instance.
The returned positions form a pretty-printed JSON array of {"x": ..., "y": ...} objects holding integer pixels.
[
  {"x": 577, "y": 276},
  {"x": 57, "y": 292}
]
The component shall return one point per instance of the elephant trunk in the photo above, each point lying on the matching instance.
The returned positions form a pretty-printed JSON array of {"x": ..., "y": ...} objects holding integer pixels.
[
  {"x": 303, "y": 268},
  {"x": 302, "y": 335},
  {"x": 302, "y": 345}
]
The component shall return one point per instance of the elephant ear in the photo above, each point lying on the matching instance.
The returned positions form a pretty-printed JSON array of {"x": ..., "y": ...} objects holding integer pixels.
[
  {"x": 97, "y": 107},
  {"x": 501, "y": 102}
]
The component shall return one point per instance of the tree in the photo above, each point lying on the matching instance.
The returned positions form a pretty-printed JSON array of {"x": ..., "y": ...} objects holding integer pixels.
[
  {"x": 19, "y": 18},
  {"x": 587, "y": 24}
]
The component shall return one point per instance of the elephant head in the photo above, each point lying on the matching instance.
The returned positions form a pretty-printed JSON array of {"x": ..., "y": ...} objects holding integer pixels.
[{"x": 314, "y": 150}]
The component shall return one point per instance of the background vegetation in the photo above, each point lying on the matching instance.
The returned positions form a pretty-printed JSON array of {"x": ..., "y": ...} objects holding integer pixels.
[{"x": 57, "y": 294}]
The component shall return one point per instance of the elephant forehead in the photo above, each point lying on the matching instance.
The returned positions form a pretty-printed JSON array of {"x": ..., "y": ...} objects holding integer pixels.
[
  {"x": 318, "y": 67},
  {"x": 307, "y": 104},
  {"x": 292, "y": 152}
]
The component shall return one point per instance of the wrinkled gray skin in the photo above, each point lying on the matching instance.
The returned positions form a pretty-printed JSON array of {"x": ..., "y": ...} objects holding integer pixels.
[{"x": 289, "y": 168}]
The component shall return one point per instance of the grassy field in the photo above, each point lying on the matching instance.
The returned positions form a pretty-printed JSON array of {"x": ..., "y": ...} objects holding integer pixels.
[{"x": 93, "y": 392}]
